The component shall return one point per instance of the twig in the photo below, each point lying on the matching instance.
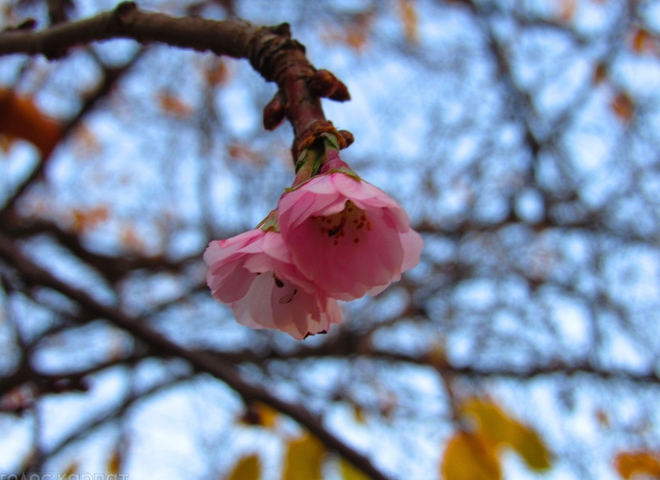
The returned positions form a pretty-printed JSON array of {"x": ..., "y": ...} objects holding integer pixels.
[
  {"x": 200, "y": 361},
  {"x": 271, "y": 51}
]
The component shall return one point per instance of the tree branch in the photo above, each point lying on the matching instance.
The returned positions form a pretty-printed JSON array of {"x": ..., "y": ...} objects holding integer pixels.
[
  {"x": 200, "y": 361},
  {"x": 271, "y": 51},
  {"x": 230, "y": 37}
]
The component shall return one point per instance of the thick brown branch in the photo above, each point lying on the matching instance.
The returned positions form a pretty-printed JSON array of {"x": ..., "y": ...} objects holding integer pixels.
[
  {"x": 126, "y": 21},
  {"x": 200, "y": 361},
  {"x": 270, "y": 50}
]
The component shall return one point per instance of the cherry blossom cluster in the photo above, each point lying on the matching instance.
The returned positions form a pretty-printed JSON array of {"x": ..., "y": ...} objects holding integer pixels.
[{"x": 332, "y": 237}]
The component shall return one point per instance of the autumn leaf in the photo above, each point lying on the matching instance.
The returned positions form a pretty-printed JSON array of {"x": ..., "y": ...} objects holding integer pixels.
[
  {"x": 567, "y": 9},
  {"x": 642, "y": 40},
  {"x": 499, "y": 429},
  {"x": 349, "y": 472},
  {"x": 89, "y": 219},
  {"x": 629, "y": 464},
  {"x": 408, "y": 14},
  {"x": 216, "y": 72},
  {"x": 470, "y": 457},
  {"x": 131, "y": 240},
  {"x": 248, "y": 468},
  {"x": 354, "y": 32},
  {"x": 623, "y": 106},
  {"x": 115, "y": 461},
  {"x": 602, "y": 418},
  {"x": 173, "y": 105},
  {"x": 241, "y": 152},
  {"x": 260, "y": 414},
  {"x": 20, "y": 118},
  {"x": 304, "y": 459},
  {"x": 5, "y": 143},
  {"x": 85, "y": 142},
  {"x": 70, "y": 470},
  {"x": 600, "y": 73},
  {"x": 358, "y": 413}
]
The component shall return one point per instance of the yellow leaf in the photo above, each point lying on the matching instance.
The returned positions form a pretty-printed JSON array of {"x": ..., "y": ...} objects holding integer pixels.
[
  {"x": 70, "y": 470},
  {"x": 114, "y": 462},
  {"x": 470, "y": 457},
  {"x": 408, "y": 14},
  {"x": 629, "y": 464},
  {"x": 437, "y": 356},
  {"x": 499, "y": 429},
  {"x": 358, "y": 412},
  {"x": 248, "y": 468},
  {"x": 20, "y": 118},
  {"x": 349, "y": 472},
  {"x": 258, "y": 413},
  {"x": 304, "y": 459}
]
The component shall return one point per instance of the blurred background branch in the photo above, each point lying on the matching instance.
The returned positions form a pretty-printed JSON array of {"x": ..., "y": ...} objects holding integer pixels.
[{"x": 521, "y": 138}]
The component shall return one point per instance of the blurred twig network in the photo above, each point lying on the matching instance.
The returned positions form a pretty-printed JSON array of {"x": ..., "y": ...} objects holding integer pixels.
[{"x": 521, "y": 137}]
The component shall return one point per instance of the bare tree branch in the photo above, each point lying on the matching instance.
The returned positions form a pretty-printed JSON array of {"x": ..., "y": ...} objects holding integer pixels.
[
  {"x": 271, "y": 51},
  {"x": 200, "y": 361}
]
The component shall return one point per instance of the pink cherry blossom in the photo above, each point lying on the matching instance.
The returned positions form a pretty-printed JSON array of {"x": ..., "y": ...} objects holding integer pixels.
[
  {"x": 253, "y": 274},
  {"x": 350, "y": 237}
]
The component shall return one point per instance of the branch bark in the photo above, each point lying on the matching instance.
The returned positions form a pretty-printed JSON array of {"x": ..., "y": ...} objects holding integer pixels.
[{"x": 271, "y": 51}]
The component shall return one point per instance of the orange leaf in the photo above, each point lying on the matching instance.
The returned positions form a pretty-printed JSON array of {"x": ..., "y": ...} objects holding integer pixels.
[
  {"x": 87, "y": 219},
  {"x": 408, "y": 14},
  {"x": 20, "y": 118},
  {"x": 470, "y": 457},
  {"x": 216, "y": 72},
  {"x": 629, "y": 464},
  {"x": 499, "y": 429},
  {"x": 85, "y": 142},
  {"x": 174, "y": 106},
  {"x": 623, "y": 106},
  {"x": 239, "y": 151},
  {"x": 131, "y": 240},
  {"x": 642, "y": 40},
  {"x": 567, "y": 9},
  {"x": 357, "y": 31}
]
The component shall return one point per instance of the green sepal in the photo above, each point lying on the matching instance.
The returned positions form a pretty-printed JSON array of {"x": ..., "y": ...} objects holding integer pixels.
[
  {"x": 270, "y": 224},
  {"x": 346, "y": 171},
  {"x": 330, "y": 141}
]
